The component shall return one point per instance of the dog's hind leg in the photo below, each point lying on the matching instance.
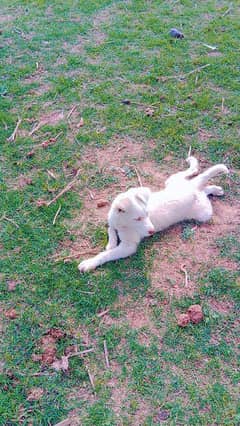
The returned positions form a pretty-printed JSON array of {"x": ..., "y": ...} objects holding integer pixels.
[
  {"x": 186, "y": 174},
  {"x": 112, "y": 238},
  {"x": 213, "y": 190},
  {"x": 202, "y": 209},
  {"x": 201, "y": 180}
]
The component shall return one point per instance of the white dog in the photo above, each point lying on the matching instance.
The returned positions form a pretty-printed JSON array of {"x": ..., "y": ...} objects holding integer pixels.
[{"x": 138, "y": 213}]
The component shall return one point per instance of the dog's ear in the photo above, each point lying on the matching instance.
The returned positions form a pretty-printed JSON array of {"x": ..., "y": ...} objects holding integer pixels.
[{"x": 142, "y": 195}]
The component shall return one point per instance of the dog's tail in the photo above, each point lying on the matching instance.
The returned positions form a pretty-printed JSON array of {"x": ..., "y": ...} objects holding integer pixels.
[{"x": 201, "y": 180}]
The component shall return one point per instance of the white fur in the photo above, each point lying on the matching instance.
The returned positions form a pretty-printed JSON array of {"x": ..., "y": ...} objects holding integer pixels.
[{"x": 138, "y": 213}]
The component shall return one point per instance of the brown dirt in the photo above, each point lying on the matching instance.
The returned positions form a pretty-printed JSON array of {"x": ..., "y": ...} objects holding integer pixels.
[
  {"x": 198, "y": 254},
  {"x": 215, "y": 53},
  {"x": 137, "y": 316},
  {"x": 6, "y": 18},
  {"x": 204, "y": 135},
  {"x": 120, "y": 400},
  {"x": 119, "y": 395},
  {"x": 223, "y": 307},
  {"x": 116, "y": 159}
]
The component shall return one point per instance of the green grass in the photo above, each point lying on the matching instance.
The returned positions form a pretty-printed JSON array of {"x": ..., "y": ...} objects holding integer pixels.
[{"x": 94, "y": 55}]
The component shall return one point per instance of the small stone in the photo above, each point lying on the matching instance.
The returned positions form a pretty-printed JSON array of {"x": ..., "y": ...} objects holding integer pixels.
[
  {"x": 162, "y": 415},
  {"x": 11, "y": 314},
  {"x": 30, "y": 154},
  {"x": 174, "y": 32},
  {"x": 126, "y": 102},
  {"x": 102, "y": 203}
]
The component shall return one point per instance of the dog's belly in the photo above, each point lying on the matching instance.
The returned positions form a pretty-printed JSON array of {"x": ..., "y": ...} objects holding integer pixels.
[{"x": 166, "y": 209}]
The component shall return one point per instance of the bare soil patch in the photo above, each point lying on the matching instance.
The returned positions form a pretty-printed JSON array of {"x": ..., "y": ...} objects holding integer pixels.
[
  {"x": 223, "y": 307},
  {"x": 123, "y": 159},
  {"x": 197, "y": 255},
  {"x": 120, "y": 401},
  {"x": 6, "y": 18}
]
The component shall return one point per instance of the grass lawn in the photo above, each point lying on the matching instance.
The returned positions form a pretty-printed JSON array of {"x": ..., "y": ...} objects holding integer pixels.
[{"x": 95, "y": 95}]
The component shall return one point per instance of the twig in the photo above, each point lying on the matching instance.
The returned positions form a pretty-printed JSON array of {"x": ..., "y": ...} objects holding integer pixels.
[
  {"x": 35, "y": 128},
  {"x": 106, "y": 353},
  {"x": 77, "y": 255},
  {"x": 67, "y": 188},
  {"x": 182, "y": 76},
  {"x": 51, "y": 174},
  {"x": 5, "y": 125},
  {"x": 189, "y": 152},
  {"x": 227, "y": 12},
  {"x": 138, "y": 176},
  {"x": 120, "y": 148},
  {"x": 209, "y": 46},
  {"x": 56, "y": 215},
  {"x": 4, "y": 217},
  {"x": 41, "y": 373},
  {"x": 183, "y": 269},
  {"x": 223, "y": 104},
  {"x": 90, "y": 378},
  {"x": 71, "y": 111},
  {"x": 92, "y": 196},
  {"x": 80, "y": 353},
  {"x": 14, "y": 134},
  {"x": 66, "y": 422},
  {"x": 101, "y": 314}
]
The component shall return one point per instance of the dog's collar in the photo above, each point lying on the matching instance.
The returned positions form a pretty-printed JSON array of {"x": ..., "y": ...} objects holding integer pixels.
[{"x": 118, "y": 238}]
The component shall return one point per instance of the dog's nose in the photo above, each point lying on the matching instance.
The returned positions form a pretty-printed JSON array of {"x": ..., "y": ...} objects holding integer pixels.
[{"x": 151, "y": 231}]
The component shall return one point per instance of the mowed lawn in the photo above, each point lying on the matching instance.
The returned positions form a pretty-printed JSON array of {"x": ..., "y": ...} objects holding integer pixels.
[{"x": 96, "y": 97}]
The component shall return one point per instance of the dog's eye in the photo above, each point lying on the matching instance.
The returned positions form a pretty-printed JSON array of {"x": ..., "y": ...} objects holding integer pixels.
[{"x": 139, "y": 219}]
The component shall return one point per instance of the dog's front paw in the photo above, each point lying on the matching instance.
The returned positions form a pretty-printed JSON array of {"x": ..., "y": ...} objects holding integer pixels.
[
  {"x": 87, "y": 265},
  {"x": 219, "y": 191}
]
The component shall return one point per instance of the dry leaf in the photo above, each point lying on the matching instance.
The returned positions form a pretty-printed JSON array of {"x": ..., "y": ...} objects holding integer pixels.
[
  {"x": 48, "y": 341},
  {"x": 30, "y": 153},
  {"x": 69, "y": 350},
  {"x": 11, "y": 314},
  {"x": 149, "y": 112},
  {"x": 11, "y": 285},
  {"x": 35, "y": 394},
  {"x": 56, "y": 333},
  {"x": 61, "y": 364},
  {"x": 23, "y": 181},
  {"x": 81, "y": 123}
]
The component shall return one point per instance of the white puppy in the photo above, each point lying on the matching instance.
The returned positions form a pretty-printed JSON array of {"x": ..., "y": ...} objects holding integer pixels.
[{"x": 138, "y": 213}]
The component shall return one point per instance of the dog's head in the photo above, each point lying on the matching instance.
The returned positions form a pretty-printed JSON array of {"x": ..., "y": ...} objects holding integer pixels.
[{"x": 129, "y": 212}]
